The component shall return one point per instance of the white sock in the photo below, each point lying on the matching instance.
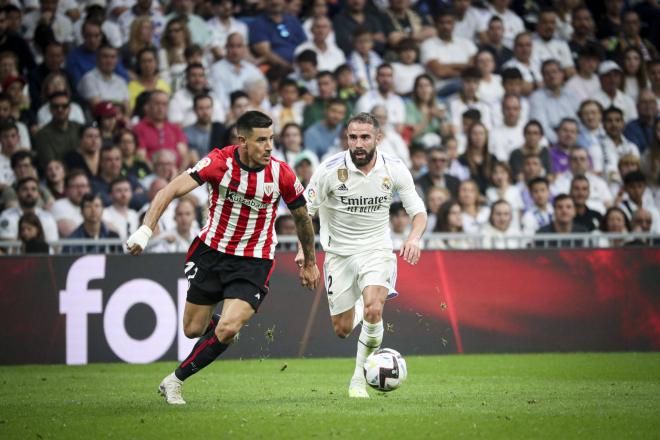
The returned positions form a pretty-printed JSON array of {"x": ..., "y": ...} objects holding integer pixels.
[
  {"x": 369, "y": 341},
  {"x": 359, "y": 312}
]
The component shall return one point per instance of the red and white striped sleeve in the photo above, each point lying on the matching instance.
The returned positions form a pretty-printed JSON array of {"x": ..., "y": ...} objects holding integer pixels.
[{"x": 291, "y": 188}]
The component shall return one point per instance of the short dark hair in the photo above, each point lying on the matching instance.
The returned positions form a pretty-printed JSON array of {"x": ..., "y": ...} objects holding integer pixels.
[
  {"x": 118, "y": 180},
  {"x": 365, "y": 118},
  {"x": 546, "y": 63},
  {"x": 192, "y": 66},
  {"x": 107, "y": 148},
  {"x": 198, "y": 98},
  {"x": 511, "y": 73},
  {"x": 538, "y": 180},
  {"x": 443, "y": 12},
  {"x": 58, "y": 95},
  {"x": 612, "y": 109},
  {"x": 396, "y": 208},
  {"x": 568, "y": 121},
  {"x": 323, "y": 73},
  {"x": 472, "y": 114},
  {"x": 72, "y": 175},
  {"x": 338, "y": 71},
  {"x": 559, "y": 198},
  {"x": 288, "y": 82},
  {"x": 25, "y": 180},
  {"x": 634, "y": 177},
  {"x": 579, "y": 177},
  {"x": 307, "y": 56},
  {"x": 89, "y": 198},
  {"x": 104, "y": 46},
  {"x": 361, "y": 30},
  {"x": 593, "y": 50},
  {"x": 9, "y": 124},
  {"x": 493, "y": 19},
  {"x": 336, "y": 101},
  {"x": 20, "y": 156},
  {"x": 250, "y": 120},
  {"x": 86, "y": 127},
  {"x": 236, "y": 95},
  {"x": 470, "y": 72},
  {"x": 383, "y": 66},
  {"x": 533, "y": 122}
]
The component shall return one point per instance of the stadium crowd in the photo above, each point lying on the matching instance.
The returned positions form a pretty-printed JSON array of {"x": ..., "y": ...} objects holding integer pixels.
[{"x": 514, "y": 117}]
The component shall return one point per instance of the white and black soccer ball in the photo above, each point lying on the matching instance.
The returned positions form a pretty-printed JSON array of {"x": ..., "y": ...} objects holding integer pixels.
[{"x": 385, "y": 369}]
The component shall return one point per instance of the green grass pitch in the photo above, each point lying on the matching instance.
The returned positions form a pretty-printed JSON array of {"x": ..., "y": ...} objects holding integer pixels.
[{"x": 553, "y": 396}]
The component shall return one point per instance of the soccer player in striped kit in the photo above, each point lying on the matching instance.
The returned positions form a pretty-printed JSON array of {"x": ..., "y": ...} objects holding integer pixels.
[
  {"x": 231, "y": 259},
  {"x": 352, "y": 192}
]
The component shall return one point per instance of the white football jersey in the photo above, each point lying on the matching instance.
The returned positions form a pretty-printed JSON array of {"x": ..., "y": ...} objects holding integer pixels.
[{"x": 353, "y": 207}]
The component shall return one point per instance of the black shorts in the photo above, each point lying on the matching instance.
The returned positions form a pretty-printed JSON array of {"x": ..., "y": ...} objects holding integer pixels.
[{"x": 214, "y": 276}]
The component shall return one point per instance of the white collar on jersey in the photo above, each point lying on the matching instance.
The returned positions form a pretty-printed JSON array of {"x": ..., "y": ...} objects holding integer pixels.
[{"x": 380, "y": 162}]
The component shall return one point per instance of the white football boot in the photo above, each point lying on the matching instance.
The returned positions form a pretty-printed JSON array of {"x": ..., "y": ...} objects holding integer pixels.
[
  {"x": 170, "y": 389},
  {"x": 358, "y": 388}
]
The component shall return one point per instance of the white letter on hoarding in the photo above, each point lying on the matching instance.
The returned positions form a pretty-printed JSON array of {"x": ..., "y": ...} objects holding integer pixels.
[
  {"x": 76, "y": 302},
  {"x": 184, "y": 345},
  {"x": 126, "y": 296}
]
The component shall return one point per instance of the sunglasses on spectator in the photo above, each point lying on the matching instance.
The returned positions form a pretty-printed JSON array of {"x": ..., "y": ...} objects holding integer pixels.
[
  {"x": 59, "y": 106},
  {"x": 284, "y": 32}
]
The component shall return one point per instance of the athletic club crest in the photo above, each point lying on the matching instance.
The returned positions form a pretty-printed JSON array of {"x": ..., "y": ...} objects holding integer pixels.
[
  {"x": 387, "y": 184},
  {"x": 268, "y": 188},
  {"x": 342, "y": 174}
]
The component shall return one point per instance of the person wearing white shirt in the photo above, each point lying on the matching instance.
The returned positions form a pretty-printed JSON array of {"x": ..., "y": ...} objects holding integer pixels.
[
  {"x": 490, "y": 85},
  {"x": 546, "y": 47},
  {"x": 467, "y": 99},
  {"x": 634, "y": 184},
  {"x": 469, "y": 20},
  {"x": 233, "y": 71},
  {"x": 500, "y": 228},
  {"x": 384, "y": 95},
  {"x": 606, "y": 155},
  {"x": 328, "y": 55},
  {"x": 136, "y": 8},
  {"x": 352, "y": 192},
  {"x": 66, "y": 211},
  {"x": 529, "y": 68},
  {"x": 110, "y": 29},
  {"x": 28, "y": 193},
  {"x": 609, "y": 95},
  {"x": 102, "y": 83},
  {"x": 60, "y": 24},
  {"x": 445, "y": 56},
  {"x": 118, "y": 216},
  {"x": 407, "y": 69},
  {"x": 222, "y": 25},
  {"x": 541, "y": 212},
  {"x": 181, "y": 106},
  {"x": 505, "y": 138},
  {"x": 599, "y": 195},
  {"x": 179, "y": 238},
  {"x": 392, "y": 142},
  {"x": 585, "y": 84},
  {"x": 513, "y": 24}
]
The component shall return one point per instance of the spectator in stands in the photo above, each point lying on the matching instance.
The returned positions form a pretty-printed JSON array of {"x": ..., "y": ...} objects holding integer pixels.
[
  {"x": 634, "y": 72},
  {"x": 53, "y": 63},
  {"x": 141, "y": 37},
  {"x": 583, "y": 31},
  {"x": 364, "y": 61},
  {"x": 96, "y": 12},
  {"x": 14, "y": 86},
  {"x": 502, "y": 188},
  {"x": 315, "y": 111},
  {"x": 567, "y": 133},
  {"x": 391, "y": 141},
  {"x": 16, "y": 44},
  {"x": 436, "y": 176},
  {"x": 60, "y": 135},
  {"x": 399, "y": 224},
  {"x": 490, "y": 84},
  {"x": 540, "y": 213},
  {"x": 468, "y": 20},
  {"x": 57, "y": 82},
  {"x": 183, "y": 10},
  {"x": 285, "y": 226},
  {"x": 640, "y": 130},
  {"x": 401, "y": 21},
  {"x": 423, "y": 112},
  {"x": 641, "y": 223},
  {"x": 546, "y": 47},
  {"x": 406, "y": 68},
  {"x": 613, "y": 145},
  {"x": 239, "y": 104},
  {"x": 132, "y": 165},
  {"x": 347, "y": 88},
  {"x": 384, "y": 95},
  {"x": 610, "y": 95},
  {"x": 434, "y": 198},
  {"x": 205, "y": 134},
  {"x": 446, "y": 56},
  {"x": 500, "y": 227},
  {"x": 66, "y": 211},
  {"x": 522, "y": 60},
  {"x": 234, "y": 70},
  {"x": 92, "y": 227},
  {"x": 147, "y": 77},
  {"x": 653, "y": 68},
  {"x": 181, "y": 110},
  {"x": 477, "y": 158},
  {"x": 473, "y": 214},
  {"x": 562, "y": 223},
  {"x": 155, "y": 132},
  {"x": 178, "y": 239},
  {"x": 592, "y": 132},
  {"x": 600, "y": 196},
  {"x": 650, "y": 161},
  {"x": 584, "y": 215},
  {"x": 552, "y": 103},
  {"x": 5, "y": 117},
  {"x": 322, "y": 135},
  {"x": 449, "y": 221},
  {"x": 609, "y": 24},
  {"x": 109, "y": 170},
  {"x": 171, "y": 56},
  {"x": 531, "y": 168},
  {"x": 328, "y": 55},
  {"x": 290, "y": 143},
  {"x": 54, "y": 178},
  {"x": 627, "y": 164},
  {"x": 304, "y": 166},
  {"x": 417, "y": 160},
  {"x": 615, "y": 222},
  {"x": 634, "y": 184},
  {"x": 164, "y": 167},
  {"x": 304, "y": 74},
  {"x": 513, "y": 24},
  {"x": 274, "y": 35},
  {"x": 27, "y": 190},
  {"x": 23, "y": 165},
  {"x": 223, "y": 25},
  {"x": 467, "y": 99},
  {"x": 106, "y": 118},
  {"x": 31, "y": 234},
  {"x": 290, "y": 106},
  {"x": 9, "y": 140},
  {"x": 83, "y": 58},
  {"x": 494, "y": 42},
  {"x": 630, "y": 37},
  {"x": 585, "y": 84},
  {"x": 505, "y": 138},
  {"x": 86, "y": 156},
  {"x": 257, "y": 91},
  {"x": 140, "y": 8},
  {"x": 350, "y": 18},
  {"x": 119, "y": 217}
]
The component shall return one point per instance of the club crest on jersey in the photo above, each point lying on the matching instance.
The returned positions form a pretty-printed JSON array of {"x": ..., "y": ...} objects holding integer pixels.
[
  {"x": 387, "y": 184},
  {"x": 268, "y": 188},
  {"x": 342, "y": 174}
]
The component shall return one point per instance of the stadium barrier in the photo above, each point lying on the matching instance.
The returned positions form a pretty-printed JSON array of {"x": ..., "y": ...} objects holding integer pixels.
[{"x": 112, "y": 308}]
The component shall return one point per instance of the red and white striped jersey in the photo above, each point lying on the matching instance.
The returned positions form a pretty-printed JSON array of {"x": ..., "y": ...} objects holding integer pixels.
[{"x": 243, "y": 202}]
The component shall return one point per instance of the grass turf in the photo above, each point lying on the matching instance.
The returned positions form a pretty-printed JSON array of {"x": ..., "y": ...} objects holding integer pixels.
[{"x": 553, "y": 396}]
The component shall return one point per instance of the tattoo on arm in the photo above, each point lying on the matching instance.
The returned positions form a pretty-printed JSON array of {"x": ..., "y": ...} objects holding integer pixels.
[{"x": 305, "y": 232}]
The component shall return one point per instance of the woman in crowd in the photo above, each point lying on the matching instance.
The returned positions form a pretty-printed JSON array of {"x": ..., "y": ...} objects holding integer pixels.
[
  {"x": 171, "y": 56},
  {"x": 500, "y": 227},
  {"x": 449, "y": 221},
  {"x": 634, "y": 71},
  {"x": 55, "y": 175},
  {"x": 473, "y": 213},
  {"x": 651, "y": 158},
  {"x": 490, "y": 86},
  {"x": 31, "y": 234},
  {"x": 132, "y": 164},
  {"x": 423, "y": 113},
  {"x": 592, "y": 133},
  {"x": 291, "y": 143},
  {"x": 503, "y": 189},
  {"x": 147, "y": 78},
  {"x": 140, "y": 37},
  {"x": 477, "y": 159},
  {"x": 435, "y": 198},
  {"x": 535, "y": 144},
  {"x": 615, "y": 222}
]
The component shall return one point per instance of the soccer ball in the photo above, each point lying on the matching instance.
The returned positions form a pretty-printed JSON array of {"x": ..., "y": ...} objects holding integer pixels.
[{"x": 385, "y": 369}]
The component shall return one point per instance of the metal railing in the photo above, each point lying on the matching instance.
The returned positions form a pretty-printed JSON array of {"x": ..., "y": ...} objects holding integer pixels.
[{"x": 429, "y": 242}]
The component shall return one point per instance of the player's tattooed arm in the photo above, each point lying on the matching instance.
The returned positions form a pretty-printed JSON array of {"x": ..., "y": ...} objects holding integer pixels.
[{"x": 305, "y": 232}]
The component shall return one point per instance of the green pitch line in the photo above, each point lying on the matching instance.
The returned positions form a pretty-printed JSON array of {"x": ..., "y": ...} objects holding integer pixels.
[{"x": 553, "y": 396}]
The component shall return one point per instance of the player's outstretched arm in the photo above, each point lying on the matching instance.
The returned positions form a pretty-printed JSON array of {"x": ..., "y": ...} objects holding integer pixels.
[
  {"x": 181, "y": 185},
  {"x": 309, "y": 272},
  {"x": 411, "y": 249}
]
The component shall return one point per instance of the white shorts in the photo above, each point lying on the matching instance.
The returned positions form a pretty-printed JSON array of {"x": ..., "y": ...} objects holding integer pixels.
[{"x": 346, "y": 277}]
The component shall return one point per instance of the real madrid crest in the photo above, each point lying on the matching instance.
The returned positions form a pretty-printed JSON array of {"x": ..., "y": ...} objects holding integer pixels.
[
  {"x": 387, "y": 184},
  {"x": 342, "y": 174}
]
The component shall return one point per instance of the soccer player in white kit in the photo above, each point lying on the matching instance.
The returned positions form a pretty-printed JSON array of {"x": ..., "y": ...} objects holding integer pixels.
[{"x": 352, "y": 192}]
